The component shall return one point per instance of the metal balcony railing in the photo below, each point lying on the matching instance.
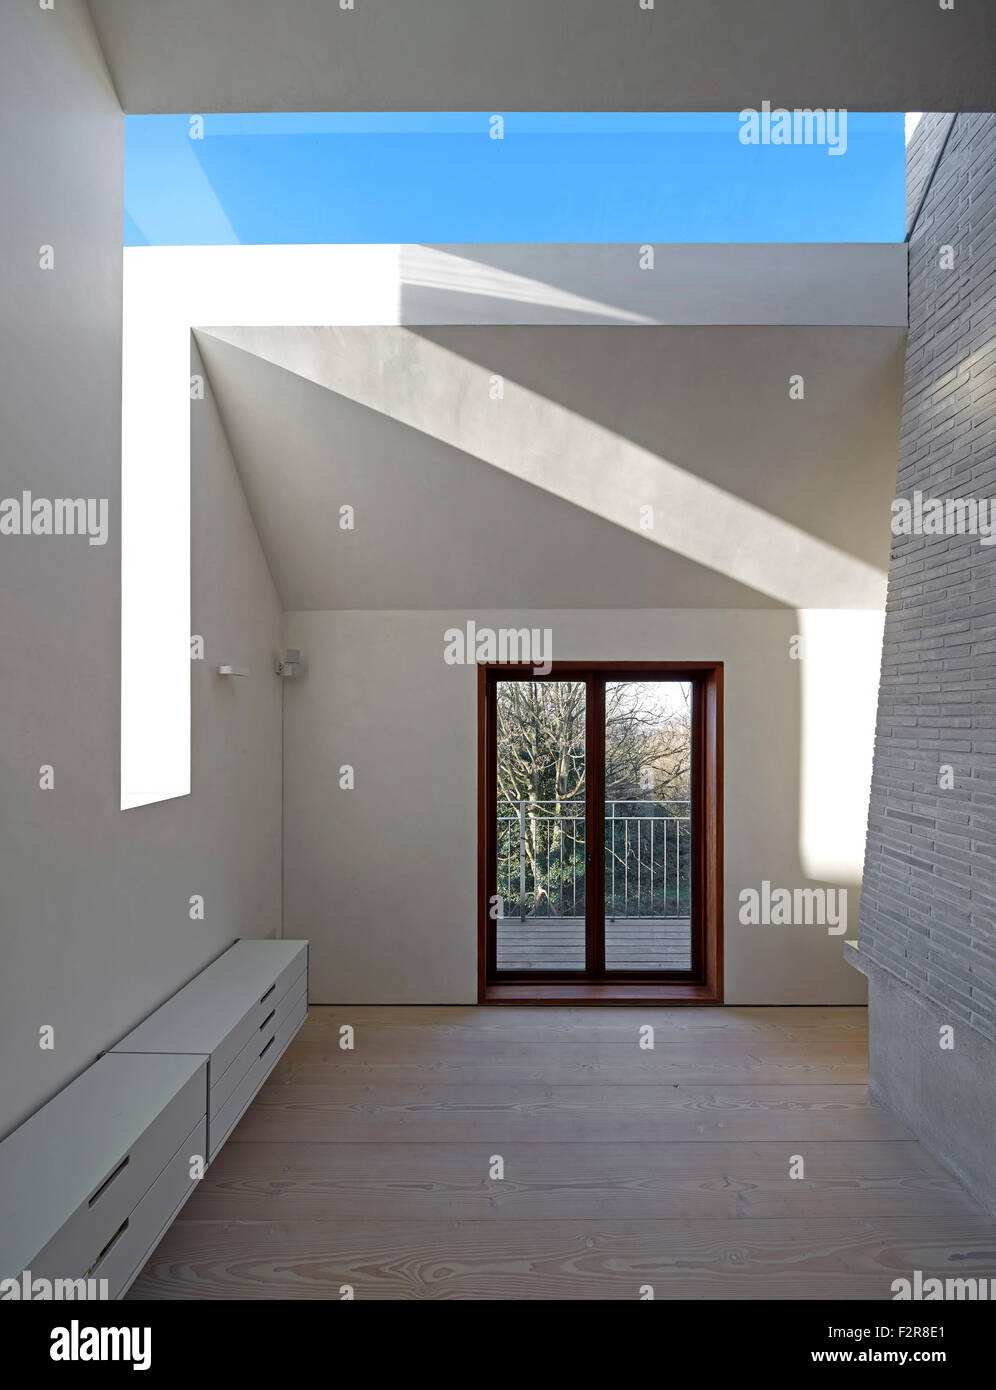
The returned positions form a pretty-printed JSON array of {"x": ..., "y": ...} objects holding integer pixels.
[{"x": 541, "y": 859}]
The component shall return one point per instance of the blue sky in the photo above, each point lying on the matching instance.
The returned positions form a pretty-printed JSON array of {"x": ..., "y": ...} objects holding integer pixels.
[{"x": 421, "y": 177}]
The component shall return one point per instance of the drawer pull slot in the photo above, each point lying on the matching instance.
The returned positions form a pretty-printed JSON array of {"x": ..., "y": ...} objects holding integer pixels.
[
  {"x": 267, "y": 1019},
  {"x": 108, "y": 1180},
  {"x": 268, "y": 1046},
  {"x": 268, "y": 992},
  {"x": 110, "y": 1244}
]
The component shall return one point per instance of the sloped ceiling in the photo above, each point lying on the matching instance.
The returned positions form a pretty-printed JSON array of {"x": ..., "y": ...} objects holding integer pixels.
[
  {"x": 548, "y": 55},
  {"x": 498, "y": 466}
]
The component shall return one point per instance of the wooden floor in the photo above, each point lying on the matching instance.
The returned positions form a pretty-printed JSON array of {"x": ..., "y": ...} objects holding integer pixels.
[
  {"x": 622, "y": 1167},
  {"x": 557, "y": 943}
]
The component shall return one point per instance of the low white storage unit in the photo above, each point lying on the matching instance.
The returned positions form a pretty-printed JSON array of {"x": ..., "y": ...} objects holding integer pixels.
[
  {"x": 240, "y": 1014},
  {"x": 90, "y": 1183}
]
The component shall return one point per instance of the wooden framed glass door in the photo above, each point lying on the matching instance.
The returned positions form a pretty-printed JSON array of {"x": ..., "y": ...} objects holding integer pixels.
[{"x": 600, "y": 825}]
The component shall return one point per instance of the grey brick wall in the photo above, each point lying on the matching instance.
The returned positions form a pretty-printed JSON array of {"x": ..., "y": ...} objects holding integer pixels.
[
  {"x": 921, "y": 157},
  {"x": 928, "y": 906}
]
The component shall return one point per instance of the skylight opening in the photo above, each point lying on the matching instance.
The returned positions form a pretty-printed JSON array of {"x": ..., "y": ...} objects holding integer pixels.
[{"x": 467, "y": 177}]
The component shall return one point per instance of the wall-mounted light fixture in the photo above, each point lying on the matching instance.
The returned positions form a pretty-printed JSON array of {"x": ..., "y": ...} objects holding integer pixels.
[
  {"x": 233, "y": 671},
  {"x": 290, "y": 665}
]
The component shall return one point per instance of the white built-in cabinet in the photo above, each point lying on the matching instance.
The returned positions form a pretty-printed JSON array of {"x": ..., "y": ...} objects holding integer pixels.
[{"x": 90, "y": 1183}]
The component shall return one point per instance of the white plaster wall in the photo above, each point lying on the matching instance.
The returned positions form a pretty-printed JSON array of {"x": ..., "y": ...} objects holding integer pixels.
[
  {"x": 169, "y": 290},
  {"x": 382, "y": 879},
  {"x": 94, "y": 901}
]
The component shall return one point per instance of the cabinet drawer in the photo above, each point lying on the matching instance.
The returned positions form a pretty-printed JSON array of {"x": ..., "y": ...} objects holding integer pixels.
[
  {"x": 229, "y": 1049},
  {"x": 287, "y": 981},
  {"x": 272, "y": 1021},
  {"x": 273, "y": 1043},
  {"x": 137, "y": 1236},
  {"x": 77, "y": 1244}
]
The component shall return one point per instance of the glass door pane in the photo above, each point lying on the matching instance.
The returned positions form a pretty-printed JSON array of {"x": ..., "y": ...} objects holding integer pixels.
[
  {"x": 648, "y": 822},
  {"x": 540, "y": 825}
]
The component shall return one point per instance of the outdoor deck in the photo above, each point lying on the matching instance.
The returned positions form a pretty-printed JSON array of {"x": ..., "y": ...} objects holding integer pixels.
[{"x": 557, "y": 943}]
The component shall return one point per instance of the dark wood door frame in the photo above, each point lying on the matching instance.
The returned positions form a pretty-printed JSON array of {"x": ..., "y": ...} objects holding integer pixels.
[{"x": 704, "y": 984}]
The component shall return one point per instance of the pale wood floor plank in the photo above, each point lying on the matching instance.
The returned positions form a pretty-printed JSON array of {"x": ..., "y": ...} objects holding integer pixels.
[
  {"x": 376, "y": 1059},
  {"x": 436, "y": 1182},
  {"x": 585, "y": 1024},
  {"x": 837, "y": 1258},
  {"x": 501, "y": 1113},
  {"x": 622, "y": 1166}
]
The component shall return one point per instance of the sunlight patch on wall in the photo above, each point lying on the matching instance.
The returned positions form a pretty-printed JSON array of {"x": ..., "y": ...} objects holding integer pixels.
[
  {"x": 839, "y": 674},
  {"x": 574, "y": 458}
]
